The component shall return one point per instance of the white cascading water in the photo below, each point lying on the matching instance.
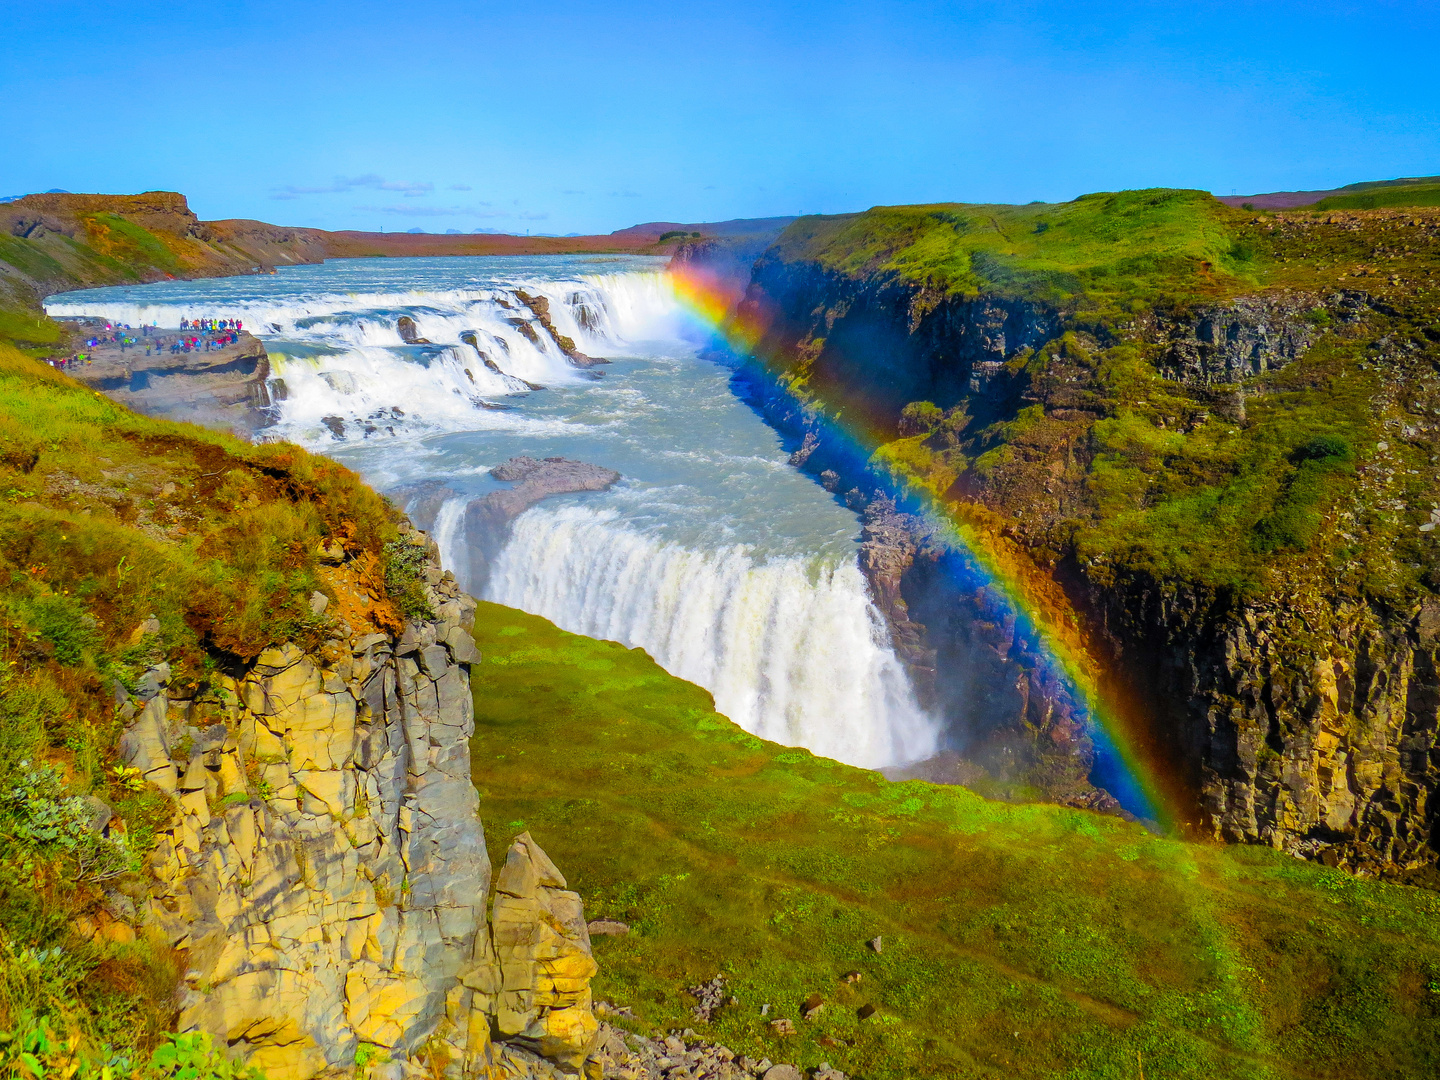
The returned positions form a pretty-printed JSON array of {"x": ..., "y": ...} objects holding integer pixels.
[
  {"x": 793, "y": 652},
  {"x": 714, "y": 556}
]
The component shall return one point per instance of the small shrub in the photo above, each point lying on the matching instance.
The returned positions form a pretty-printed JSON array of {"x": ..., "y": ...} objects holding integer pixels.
[
  {"x": 1322, "y": 448},
  {"x": 39, "y": 815},
  {"x": 192, "y": 1056},
  {"x": 404, "y": 579},
  {"x": 1295, "y": 520},
  {"x": 66, "y": 625},
  {"x": 920, "y": 417}
]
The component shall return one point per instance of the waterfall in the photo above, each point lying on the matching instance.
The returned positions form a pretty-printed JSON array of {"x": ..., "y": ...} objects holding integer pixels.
[
  {"x": 720, "y": 561},
  {"x": 341, "y": 371},
  {"x": 792, "y": 648}
]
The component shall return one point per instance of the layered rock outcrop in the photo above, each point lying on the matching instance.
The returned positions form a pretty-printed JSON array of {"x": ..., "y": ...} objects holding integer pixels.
[
  {"x": 1311, "y": 726},
  {"x": 1228, "y": 343},
  {"x": 224, "y": 387},
  {"x": 325, "y": 873}
]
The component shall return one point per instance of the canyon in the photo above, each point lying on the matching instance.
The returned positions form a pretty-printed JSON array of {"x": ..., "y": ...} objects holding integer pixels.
[
  {"x": 303, "y": 737},
  {"x": 1295, "y": 707}
]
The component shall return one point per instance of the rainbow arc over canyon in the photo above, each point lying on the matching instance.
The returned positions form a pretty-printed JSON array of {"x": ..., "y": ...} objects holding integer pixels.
[{"x": 1144, "y": 781}]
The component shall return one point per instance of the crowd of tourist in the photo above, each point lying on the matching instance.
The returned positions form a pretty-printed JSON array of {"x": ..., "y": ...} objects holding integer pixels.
[{"x": 196, "y": 335}]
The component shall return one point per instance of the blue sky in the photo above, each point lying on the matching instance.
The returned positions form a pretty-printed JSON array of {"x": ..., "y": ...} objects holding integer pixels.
[{"x": 587, "y": 117}]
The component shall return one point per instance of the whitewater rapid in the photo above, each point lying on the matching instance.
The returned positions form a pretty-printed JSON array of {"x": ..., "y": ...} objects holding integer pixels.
[{"x": 712, "y": 554}]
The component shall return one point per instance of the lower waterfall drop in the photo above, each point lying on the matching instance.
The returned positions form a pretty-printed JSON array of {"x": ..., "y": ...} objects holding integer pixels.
[{"x": 792, "y": 649}]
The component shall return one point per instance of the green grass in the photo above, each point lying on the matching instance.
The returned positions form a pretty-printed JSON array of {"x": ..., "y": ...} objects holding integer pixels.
[
  {"x": 1105, "y": 253},
  {"x": 1403, "y": 195},
  {"x": 1019, "y": 941}
]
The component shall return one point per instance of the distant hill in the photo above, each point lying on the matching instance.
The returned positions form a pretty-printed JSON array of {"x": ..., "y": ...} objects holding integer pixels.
[
  {"x": 1404, "y": 191},
  {"x": 57, "y": 240},
  {"x": 653, "y": 230}
]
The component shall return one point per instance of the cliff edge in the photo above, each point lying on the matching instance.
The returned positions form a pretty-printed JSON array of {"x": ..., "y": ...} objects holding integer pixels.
[{"x": 1197, "y": 442}]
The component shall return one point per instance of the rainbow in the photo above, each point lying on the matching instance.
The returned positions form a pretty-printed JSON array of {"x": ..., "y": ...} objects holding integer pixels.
[{"x": 1127, "y": 765}]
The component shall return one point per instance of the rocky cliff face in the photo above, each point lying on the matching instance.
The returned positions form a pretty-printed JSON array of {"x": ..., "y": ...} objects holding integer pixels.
[
  {"x": 872, "y": 346},
  {"x": 325, "y": 874},
  {"x": 1304, "y": 717},
  {"x": 1311, "y": 725},
  {"x": 222, "y": 388}
]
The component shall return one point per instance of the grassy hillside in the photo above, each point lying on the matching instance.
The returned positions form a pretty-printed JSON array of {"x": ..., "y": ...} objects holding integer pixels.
[
  {"x": 1107, "y": 252},
  {"x": 1018, "y": 941},
  {"x": 125, "y": 541},
  {"x": 1400, "y": 195},
  {"x": 1104, "y": 450}
]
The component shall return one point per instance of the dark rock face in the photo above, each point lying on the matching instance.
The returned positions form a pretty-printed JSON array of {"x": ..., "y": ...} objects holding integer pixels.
[
  {"x": 1225, "y": 343},
  {"x": 1309, "y": 726},
  {"x": 872, "y": 347},
  {"x": 1008, "y": 715}
]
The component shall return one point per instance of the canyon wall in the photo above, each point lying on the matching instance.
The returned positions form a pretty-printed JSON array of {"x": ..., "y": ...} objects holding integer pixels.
[
  {"x": 324, "y": 876},
  {"x": 1304, "y": 717}
]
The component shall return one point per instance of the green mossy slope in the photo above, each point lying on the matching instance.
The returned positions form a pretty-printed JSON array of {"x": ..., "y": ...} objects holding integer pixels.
[
  {"x": 1111, "y": 252},
  {"x": 1018, "y": 941},
  {"x": 1402, "y": 195}
]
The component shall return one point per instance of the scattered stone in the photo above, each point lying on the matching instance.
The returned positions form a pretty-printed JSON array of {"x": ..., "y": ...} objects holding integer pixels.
[
  {"x": 875, "y": 943},
  {"x": 319, "y": 602},
  {"x": 813, "y": 1004},
  {"x": 765, "y": 1009},
  {"x": 145, "y": 629},
  {"x": 709, "y": 997},
  {"x": 852, "y": 976},
  {"x": 825, "y": 1071},
  {"x": 865, "y": 1012},
  {"x": 607, "y": 928},
  {"x": 783, "y": 1026},
  {"x": 783, "y": 1072}
]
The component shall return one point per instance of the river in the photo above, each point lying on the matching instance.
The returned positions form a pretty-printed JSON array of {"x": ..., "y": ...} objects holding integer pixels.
[{"x": 729, "y": 567}]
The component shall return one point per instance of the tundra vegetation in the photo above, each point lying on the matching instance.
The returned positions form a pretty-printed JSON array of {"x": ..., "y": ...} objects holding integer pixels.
[{"x": 1111, "y": 457}]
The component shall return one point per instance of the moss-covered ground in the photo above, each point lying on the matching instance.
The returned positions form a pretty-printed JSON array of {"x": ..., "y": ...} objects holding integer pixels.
[
  {"x": 1018, "y": 941},
  {"x": 1104, "y": 252}
]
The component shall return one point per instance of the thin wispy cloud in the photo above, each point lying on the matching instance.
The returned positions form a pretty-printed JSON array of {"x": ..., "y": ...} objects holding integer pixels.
[
  {"x": 459, "y": 187},
  {"x": 624, "y": 194},
  {"x": 434, "y": 211},
  {"x": 409, "y": 189}
]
